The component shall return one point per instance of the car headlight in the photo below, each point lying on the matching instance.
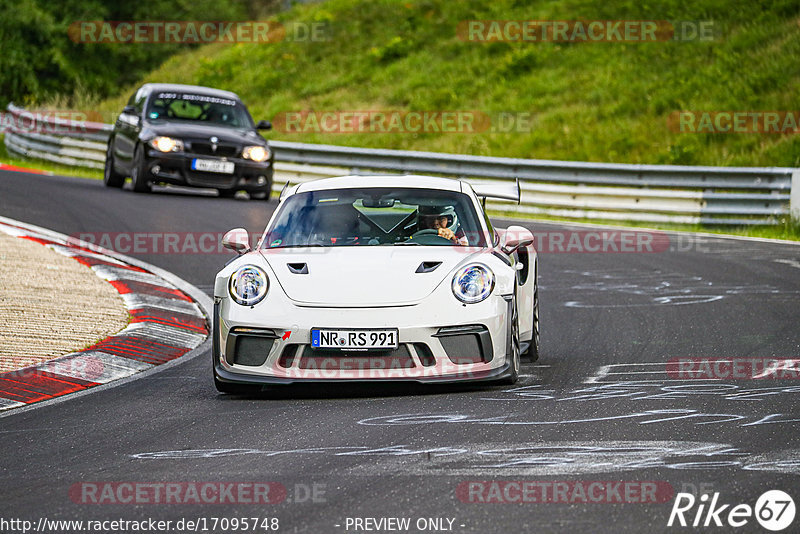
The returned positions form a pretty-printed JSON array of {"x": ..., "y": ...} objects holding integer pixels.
[
  {"x": 248, "y": 285},
  {"x": 167, "y": 144},
  {"x": 256, "y": 153},
  {"x": 473, "y": 283}
]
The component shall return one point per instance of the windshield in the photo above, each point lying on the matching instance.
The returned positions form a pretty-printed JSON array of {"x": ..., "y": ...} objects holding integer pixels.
[
  {"x": 375, "y": 217},
  {"x": 198, "y": 108}
]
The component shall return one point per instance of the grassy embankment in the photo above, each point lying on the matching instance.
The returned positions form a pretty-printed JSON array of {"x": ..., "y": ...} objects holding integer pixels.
[{"x": 588, "y": 101}]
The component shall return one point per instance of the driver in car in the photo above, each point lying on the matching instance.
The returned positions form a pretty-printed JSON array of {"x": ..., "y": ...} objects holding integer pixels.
[{"x": 442, "y": 219}]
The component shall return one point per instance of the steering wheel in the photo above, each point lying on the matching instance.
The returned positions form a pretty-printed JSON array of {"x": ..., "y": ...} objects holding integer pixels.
[{"x": 429, "y": 236}]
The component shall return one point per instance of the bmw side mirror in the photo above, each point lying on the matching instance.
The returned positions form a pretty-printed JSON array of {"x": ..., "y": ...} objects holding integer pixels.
[
  {"x": 264, "y": 125},
  {"x": 514, "y": 238},
  {"x": 237, "y": 240}
]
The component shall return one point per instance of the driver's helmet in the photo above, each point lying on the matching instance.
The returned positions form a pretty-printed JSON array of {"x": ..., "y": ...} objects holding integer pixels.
[{"x": 428, "y": 214}]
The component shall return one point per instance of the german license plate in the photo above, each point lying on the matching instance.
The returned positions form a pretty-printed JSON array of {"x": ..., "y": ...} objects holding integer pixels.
[
  {"x": 364, "y": 339},
  {"x": 213, "y": 165}
]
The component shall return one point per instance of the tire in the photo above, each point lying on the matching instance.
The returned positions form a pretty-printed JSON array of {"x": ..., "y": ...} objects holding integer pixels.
[
  {"x": 110, "y": 176},
  {"x": 227, "y": 193},
  {"x": 261, "y": 195},
  {"x": 532, "y": 352},
  {"x": 235, "y": 389},
  {"x": 138, "y": 181},
  {"x": 516, "y": 360}
]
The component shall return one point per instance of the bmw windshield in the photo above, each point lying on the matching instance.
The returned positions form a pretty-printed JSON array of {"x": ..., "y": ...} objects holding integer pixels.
[
  {"x": 204, "y": 109},
  {"x": 375, "y": 217}
]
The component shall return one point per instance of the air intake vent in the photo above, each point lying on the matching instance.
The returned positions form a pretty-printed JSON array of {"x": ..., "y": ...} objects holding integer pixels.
[
  {"x": 298, "y": 268},
  {"x": 252, "y": 350},
  {"x": 287, "y": 356},
  {"x": 466, "y": 344},
  {"x": 355, "y": 361},
  {"x": 425, "y": 354},
  {"x": 428, "y": 266}
]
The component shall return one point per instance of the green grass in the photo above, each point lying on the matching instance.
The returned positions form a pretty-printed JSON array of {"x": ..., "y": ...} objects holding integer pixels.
[
  {"x": 588, "y": 101},
  {"x": 603, "y": 102},
  {"x": 54, "y": 168}
]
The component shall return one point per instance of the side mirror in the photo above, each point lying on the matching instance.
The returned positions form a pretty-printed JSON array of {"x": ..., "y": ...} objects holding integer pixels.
[
  {"x": 237, "y": 240},
  {"x": 263, "y": 125},
  {"x": 514, "y": 238},
  {"x": 129, "y": 110}
]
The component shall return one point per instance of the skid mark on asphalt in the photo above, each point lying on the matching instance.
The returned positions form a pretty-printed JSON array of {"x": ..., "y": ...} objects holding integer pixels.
[
  {"x": 698, "y": 390},
  {"x": 654, "y": 288},
  {"x": 792, "y": 263},
  {"x": 643, "y": 417},
  {"x": 667, "y": 372},
  {"x": 536, "y": 458}
]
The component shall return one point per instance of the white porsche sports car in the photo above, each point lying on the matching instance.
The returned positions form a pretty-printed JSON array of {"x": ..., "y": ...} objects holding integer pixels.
[{"x": 377, "y": 278}]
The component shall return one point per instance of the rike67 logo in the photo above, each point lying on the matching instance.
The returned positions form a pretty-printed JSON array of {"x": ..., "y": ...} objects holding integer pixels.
[{"x": 774, "y": 510}]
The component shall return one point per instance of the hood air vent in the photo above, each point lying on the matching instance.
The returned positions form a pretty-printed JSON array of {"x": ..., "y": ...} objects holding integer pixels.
[
  {"x": 298, "y": 268},
  {"x": 428, "y": 266}
]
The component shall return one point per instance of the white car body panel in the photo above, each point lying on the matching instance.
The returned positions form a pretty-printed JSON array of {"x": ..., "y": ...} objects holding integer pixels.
[{"x": 362, "y": 276}]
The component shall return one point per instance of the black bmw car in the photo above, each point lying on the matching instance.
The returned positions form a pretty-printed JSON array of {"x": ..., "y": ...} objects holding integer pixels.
[{"x": 191, "y": 136}]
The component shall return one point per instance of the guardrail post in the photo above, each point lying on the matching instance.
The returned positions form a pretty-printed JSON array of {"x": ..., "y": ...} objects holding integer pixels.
[{"x": 794, "y": 199}]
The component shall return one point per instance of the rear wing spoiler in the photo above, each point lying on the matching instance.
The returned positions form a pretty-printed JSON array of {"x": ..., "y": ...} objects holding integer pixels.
[
  {"x": 287, "y": 190},
  {"x": 499, "y": 190}
]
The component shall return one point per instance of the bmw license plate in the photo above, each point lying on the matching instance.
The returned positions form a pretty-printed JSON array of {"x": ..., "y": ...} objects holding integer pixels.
[
  {"x": 213, "y": 165},
  {"x": 324, "y": 338}
]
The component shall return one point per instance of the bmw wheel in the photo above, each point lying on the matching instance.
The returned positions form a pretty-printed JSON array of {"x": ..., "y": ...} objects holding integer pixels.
[
  {"x": 261, "y": 195},
  {"x": 138, "y": 172},
  {"x": 110, "y": 176}
]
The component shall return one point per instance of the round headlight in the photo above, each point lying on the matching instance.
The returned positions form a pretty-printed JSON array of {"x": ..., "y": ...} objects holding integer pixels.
[
  {"x": 248, "y": 285},
  {"x": 473, "y": 283},
  {"x": 255, "y": 153},
  {"x": 166, "y": 144}
]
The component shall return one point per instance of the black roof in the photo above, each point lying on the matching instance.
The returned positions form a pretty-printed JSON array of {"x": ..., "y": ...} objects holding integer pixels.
[{"x": 196, "y": 89}]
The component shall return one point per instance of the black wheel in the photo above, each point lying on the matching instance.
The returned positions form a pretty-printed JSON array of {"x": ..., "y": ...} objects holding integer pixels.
[
  {"x": 261, "y": 195},
  {"x": 138, "y": 173},
  {"x": 514, "y": 368},
  {"x": 532, "y": 352},
  {"x": 110, "y": 176},
  {"x": 235, "y": 389}
]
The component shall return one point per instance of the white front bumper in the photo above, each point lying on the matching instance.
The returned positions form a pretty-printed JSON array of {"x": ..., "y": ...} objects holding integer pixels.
[{"x": 419, "y": 324}]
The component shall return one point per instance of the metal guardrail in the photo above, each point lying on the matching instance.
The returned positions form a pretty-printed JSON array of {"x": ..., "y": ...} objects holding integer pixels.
[{"x": 612, "y": 191}]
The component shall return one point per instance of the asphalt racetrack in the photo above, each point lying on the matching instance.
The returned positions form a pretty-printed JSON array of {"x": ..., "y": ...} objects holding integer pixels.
[{"x": 604, "y": 404}]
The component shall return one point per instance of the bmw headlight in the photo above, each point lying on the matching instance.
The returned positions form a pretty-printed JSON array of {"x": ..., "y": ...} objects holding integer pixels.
[
  {"x": 167, "y": 144},
  {"x": 256, "y": 153},
  {"x": 473, "y": 283},
  {"x": 248, "y": 285}
]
